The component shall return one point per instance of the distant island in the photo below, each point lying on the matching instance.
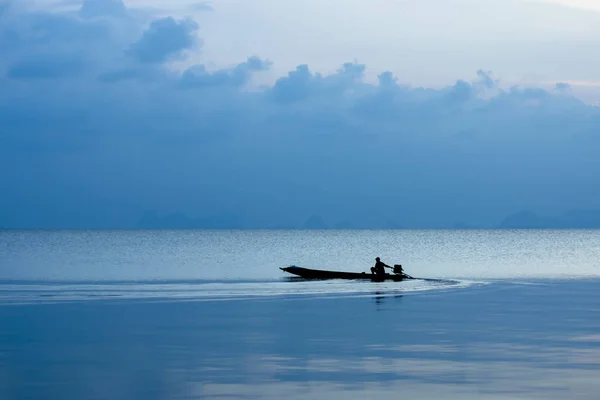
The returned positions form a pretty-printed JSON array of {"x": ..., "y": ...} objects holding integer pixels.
[
  {"x": 575, "y": 219},
  {"x": 153, "y": 220},
  {"x": 150, "y": 220}
]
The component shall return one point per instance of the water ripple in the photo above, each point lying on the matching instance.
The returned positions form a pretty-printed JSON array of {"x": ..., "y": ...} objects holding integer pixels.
[{"x": 50, "y": 292}]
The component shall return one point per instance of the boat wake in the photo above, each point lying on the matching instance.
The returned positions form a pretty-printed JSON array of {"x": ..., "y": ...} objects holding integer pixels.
[{"x": 58, "y": 292}]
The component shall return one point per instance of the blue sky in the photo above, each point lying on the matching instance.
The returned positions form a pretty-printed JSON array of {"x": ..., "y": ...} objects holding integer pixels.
[{"x": 424, "y": 113}]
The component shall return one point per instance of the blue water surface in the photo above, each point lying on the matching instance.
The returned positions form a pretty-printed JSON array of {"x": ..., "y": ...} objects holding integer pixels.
[{"x": 529, "y": 334}]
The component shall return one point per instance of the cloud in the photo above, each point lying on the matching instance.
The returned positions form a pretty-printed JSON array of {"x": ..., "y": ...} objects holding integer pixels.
[
  {"x": 4, "y": 6},
  {"x": 165, "y": 39},
  {"x": 198, "y": 76},
  {"x": 119, "y": 75},
  {"x": 486, "y": 80},
  {"x": 461, "y": 92},
  {"x": 202, "y": 6},
  {"x": 46, "y": 66},
  {"x": 562, "y": 87},
  {"x": 97, "y": 128},
  {"x": 302, "y": 84},
  {"x": 387, "y": 79},
  {"x": 103, "y": 8}
]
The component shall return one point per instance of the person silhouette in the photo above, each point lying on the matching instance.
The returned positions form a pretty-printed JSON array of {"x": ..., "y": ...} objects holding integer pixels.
[{"x": 379, "y": 268}]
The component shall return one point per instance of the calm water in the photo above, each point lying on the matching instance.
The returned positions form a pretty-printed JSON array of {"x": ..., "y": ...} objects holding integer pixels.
[{"x": 191, "y": 314}]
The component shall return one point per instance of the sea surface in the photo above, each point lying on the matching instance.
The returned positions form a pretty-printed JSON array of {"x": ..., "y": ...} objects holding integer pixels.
[{"x": 209, "y": 315}]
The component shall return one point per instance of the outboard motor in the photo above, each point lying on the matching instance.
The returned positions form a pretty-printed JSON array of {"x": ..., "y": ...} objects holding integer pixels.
[{"x": 398, "y": 269}]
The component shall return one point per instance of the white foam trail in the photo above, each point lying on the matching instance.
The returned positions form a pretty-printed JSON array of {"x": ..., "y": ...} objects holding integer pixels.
[{"x": 50, "y": 292}]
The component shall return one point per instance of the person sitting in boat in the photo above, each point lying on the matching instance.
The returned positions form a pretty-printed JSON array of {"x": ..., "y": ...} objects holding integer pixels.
[{"x": 379, "y": 267}]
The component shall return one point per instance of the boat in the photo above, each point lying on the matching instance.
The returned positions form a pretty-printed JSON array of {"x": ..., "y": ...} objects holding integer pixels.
[{"x": 317, "y": 274}]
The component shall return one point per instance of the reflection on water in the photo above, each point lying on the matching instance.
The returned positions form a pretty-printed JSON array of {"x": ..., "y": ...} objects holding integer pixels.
[
  {"x": 465, "y": 382},
  {"x": 493, "y": 341},
  {"x": 380, "y": 297}
]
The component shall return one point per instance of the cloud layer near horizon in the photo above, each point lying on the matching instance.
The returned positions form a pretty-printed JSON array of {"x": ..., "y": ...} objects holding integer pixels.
[{"x": 96, "y": 128}]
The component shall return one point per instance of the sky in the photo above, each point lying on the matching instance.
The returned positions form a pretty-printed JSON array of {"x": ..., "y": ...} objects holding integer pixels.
[{"x": 414, "y": 113}]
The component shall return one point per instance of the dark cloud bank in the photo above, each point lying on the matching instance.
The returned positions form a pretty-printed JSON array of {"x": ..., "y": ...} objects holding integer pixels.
[{"x": 96, "y": 132}]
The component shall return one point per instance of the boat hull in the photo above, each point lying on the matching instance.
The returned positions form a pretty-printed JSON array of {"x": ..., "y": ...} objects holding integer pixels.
[{"x": 321, "y": 275}]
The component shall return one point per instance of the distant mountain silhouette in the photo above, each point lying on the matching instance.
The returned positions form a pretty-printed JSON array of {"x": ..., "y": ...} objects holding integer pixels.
[
  {"x": 462, "y": 225},
  {"x": 574, "y": 219},
  {"x": 180, "y": 221},
  {"x": 527, "y": 220},
  {"x": 315, "y": 222},
  {"x": 345, "y": 225},
  {"x": 391, "y": 224},
  {"x": 583, "y": 219}
]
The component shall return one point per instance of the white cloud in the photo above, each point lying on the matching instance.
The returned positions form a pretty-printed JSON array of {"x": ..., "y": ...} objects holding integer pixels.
[
  {"x": 93, "y": 136},
  {"x": 593, "y": 5}
]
